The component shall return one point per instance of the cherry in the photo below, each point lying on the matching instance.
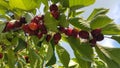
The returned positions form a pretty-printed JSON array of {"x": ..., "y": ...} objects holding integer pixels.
[
  {"x": 96, "y": 31},
  {"x": 39, "y": 35},
  {"x": 9, "y": 26},
  {"x": 37, "y": 19},
  {"x": 84, "y": 34},
  {"x": 98, "y": 37},
  {"x": 27, "y": 59},
  {"x": 43, "y": 29},
  {"x": 53, "y": 7},
  {"x": 55, "y": 14},
  {"x": 56, "y": 37},
  {"x": 1, "y": 55},
  {"x": 26, "y": 28},
  {"x": 17, "y": 24},
  {"x": 23, "y": 20},
  {"x": 33, "y": 26},
  {"x": 92, "y": 42},
  {"x": 75, "y": 33},
  {"x": 48, "y": 37},
  {"x": 61, "y": 29},
  {"x": 68, "y": 31}
]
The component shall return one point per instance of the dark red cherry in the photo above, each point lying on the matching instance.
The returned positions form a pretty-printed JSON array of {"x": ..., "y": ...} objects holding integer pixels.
[
  {"x": 92, "y": 42},
  {"x": 23, "y": 20},
  {"x": 96, "y": 31},
  {"x": 53, "y": 7},
  {"x": 68, "y": 31},
  {"x": 75, "y": 33},
  {"x": 55, "y": 14},
  {"x": 98, "y": 37},
  {"x": 56, "y": 37},
  {"x": 1, "y": 55},
  {"x": 48, "y": 37},
  {"x": 83, "y": 34},
  {"x": 39, "y": 35}
]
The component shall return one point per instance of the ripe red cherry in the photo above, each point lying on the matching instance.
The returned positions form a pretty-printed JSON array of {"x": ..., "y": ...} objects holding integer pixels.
[
  {"x": 83, "y": 34},
  {"x": 26, "y": 28},
  {"x": 17, "y": 24},
  {"x": 96, "y": 31},
  {"x": 92, "y": 42},
  {"x": 1, "y": 55},
  {"x": 55, "y": 14},
  {"x": 27, "y": 59},
  {"x": 56, "y": 37},
  {"x": 23, "y": 20},
  {"x": 68, "y": 31},
  {"x": 33, "y": 26},
  {"x": 53, "y": 7},
  {"x": 39, "y": 35},
  {"x": 75, "y": 33},
  {"x": 9, "y": 26},
  {"x": 48, "y": 37},
  {"x": 62, "y": 29},
  {"x": 98, "y": 37},
  {"x": 43, "y": 29},
  {"x": 37, "y": 19}
]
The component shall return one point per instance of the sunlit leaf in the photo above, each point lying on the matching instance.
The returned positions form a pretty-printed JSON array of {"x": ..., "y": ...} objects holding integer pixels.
[
  {"x": 50, "y": 22},
  {"x": 2, "y": 26},
  {"x": 96, "y": 12},
  {"x": 110, "y": 63},
  {"x": 111, "y": 29},
  {"x": 80, "y": 23},
  {"x": 24, "y": 4},
  {"x": 63, "y": 55},
  {"x": 75, "y": 4},
  {"x": 117, "y": 38},
  {"x": 100, "y": 21}
]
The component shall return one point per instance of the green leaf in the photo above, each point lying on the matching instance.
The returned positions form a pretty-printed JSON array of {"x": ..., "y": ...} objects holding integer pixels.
[
  {"x": 2, "y": 12},
  {"x": 96, "y": 12},
  {"x": 84, "y": 49},
  {"x": 100, "y": 21},
  {"x": 63, "y": 55},
  {"x": 117, "y": 38},
  {"x": 35, "y": 59},
  {"x": 21, "y": 45},
  {"x": 52, "y": 61},
  {"x": 49, "y": 52},
  {"x": 24, "y": 4},
  {"x": 99, "y": 64},
  {"x": 80, "y": 23},
  {"x": 82, "y": 63},
  {"x": 65, "y": 3},
  {"x": 79, "y": 12},
  {"x": 50, "y": 22},
  {"x": 62, "y": 21},
  {"x": 110, "y": 63},
  {"x": 55, "y": 1},
  {"x": 2, "y": 26},
  {"x": 80, "y": 3},
  {"x": 111, "y": 29},
  {"x": 4, "y": 4},
  {"x": 11, "y": 58},
  {"x": 112, "y": 53}
]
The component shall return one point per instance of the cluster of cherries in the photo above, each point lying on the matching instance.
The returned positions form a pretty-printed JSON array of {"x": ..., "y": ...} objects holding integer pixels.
[
  {"x": 95, "y": 34},
  {"x": 36, "y": 26}
]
